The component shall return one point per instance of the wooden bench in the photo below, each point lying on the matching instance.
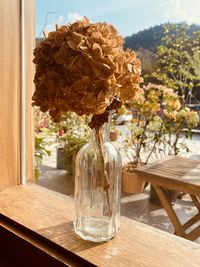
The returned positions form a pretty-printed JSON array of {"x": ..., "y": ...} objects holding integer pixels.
[{"x": 176, "y": 173}]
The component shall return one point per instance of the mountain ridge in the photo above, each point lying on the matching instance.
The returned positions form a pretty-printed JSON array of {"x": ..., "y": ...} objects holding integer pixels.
[{"x": 151, "y": 38}]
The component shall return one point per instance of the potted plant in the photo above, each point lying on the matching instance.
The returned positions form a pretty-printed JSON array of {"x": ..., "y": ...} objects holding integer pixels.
[
  {"x": 144, "y": 136},
  {"x": 72, "y": 133},
  {"x": 73, "y": 141},
  {"x": 40, "y": 152},
  {"x": 114, "y": 133},
  {"x": 154, "y": 132},
  {"x": 61, "y": 150},
  {"x": 42, "y": 121}
]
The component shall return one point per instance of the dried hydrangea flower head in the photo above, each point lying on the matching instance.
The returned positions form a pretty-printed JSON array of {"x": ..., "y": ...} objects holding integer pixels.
[{"x": 81, "y": 67}]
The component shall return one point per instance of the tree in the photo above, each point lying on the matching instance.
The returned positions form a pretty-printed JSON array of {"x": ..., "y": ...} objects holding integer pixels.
[
  {"x": 195, "y": 60},
  {"x": 178, "y": 59},
  {"x": 149, "y": 62}
]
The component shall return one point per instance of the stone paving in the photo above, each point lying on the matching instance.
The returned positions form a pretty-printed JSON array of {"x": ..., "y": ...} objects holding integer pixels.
[{"x": 138, "y": 206}]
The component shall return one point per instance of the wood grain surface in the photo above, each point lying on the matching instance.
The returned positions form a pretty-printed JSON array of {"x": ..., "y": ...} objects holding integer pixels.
[
  {"x": 29, "y": 45},
  {"x": 51, "y": 215},
  {"x": 175, "y": 173},
  {"x": 9, "y": 93},
  {"x": 10, "y": 90}
]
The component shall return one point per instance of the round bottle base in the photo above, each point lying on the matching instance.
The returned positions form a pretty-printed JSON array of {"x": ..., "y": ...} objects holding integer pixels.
[{"x": 95, "y": 229}]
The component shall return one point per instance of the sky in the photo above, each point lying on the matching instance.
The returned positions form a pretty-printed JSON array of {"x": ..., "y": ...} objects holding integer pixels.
[{"x": 128, "y": 16}]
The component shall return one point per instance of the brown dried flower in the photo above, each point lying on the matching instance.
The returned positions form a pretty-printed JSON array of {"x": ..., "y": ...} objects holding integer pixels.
[{"x": 81, "y": 67}]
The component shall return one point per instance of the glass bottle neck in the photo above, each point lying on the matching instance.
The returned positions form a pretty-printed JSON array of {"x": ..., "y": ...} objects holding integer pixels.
[{"x": 101, "y": 134}]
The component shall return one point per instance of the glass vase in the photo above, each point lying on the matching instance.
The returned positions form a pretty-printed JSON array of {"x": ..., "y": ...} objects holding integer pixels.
[{"x": 97, "y": 189}]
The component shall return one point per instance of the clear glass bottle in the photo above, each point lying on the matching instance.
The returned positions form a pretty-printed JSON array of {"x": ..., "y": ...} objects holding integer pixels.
[{"x": 97, "y": 189}]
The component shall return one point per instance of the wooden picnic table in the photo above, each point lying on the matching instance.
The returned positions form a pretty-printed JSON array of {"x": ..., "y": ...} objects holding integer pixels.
[{"x": 180, "y": 174}]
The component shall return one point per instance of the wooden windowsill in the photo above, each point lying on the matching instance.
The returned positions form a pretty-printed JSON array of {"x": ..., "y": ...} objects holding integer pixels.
[{"x": 42, "y": 215}]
